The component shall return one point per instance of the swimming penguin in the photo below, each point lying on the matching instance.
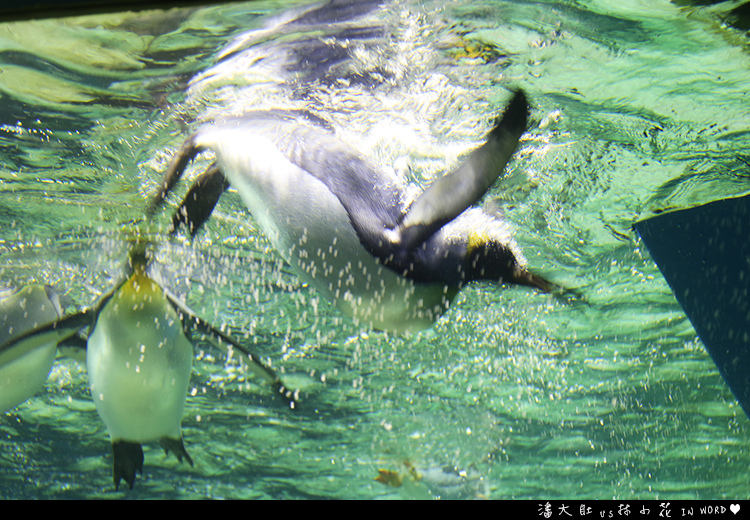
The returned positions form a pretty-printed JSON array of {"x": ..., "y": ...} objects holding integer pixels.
[
  {"x": 347, "y": 228},
  {"x": 139, "y": 361},
  {"x": 24, "y": 367}
]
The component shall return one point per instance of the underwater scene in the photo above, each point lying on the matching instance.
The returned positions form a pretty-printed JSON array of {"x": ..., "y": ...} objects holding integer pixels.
[{"x": 582, "y": 380}]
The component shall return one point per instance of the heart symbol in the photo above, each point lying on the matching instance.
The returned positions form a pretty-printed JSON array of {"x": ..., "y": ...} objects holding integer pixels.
[{"x": 734, "y": 508}]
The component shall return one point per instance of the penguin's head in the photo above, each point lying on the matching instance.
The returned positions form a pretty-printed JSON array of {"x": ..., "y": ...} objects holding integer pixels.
[
  {"x": 483, "y": 248},
  {"x": 139, "y": 257},
  {"x": 490, "y": 259}
]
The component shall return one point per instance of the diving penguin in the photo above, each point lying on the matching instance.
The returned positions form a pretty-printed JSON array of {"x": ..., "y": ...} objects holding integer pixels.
[
  {"x": 24, "y": 367},
  {"x": 347, "y": 228},
  {"x": 139, "y": 361}
]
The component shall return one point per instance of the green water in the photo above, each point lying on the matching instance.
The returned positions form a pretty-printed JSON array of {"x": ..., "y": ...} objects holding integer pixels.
[{"x": 636, "y": 107}]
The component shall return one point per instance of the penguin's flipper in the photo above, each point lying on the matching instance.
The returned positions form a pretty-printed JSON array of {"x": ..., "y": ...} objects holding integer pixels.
[
  {"x": 128, "y": 458},
  {"x": 74, "y": 347},
  {"x": 200, "y": 201},
  {"x": 184, "y": 155},
  {"x": 192, "y": 323},
  {"x": 55, "y": 332},
  {"x": 177, "y": 447},
  {"x": 448, "y": 196}
]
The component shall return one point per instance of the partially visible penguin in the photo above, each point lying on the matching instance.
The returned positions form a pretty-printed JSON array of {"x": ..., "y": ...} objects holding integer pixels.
[
  {"x": 345, "y": 225},
  {"x": 139, "y": 362},
  {"x": 25, "y": 366},
  {"x": 139, "y": 359}
]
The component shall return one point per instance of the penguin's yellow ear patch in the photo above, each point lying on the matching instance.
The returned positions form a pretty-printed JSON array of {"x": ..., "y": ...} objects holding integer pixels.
[{"x": 476, "y": 239}]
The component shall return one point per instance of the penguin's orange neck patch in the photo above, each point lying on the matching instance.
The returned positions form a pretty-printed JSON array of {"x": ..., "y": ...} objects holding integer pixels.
[{"x": 139, "y": 286}]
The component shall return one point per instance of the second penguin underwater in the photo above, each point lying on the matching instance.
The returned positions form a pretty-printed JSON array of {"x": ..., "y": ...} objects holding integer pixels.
[{"x": 139, "y": 353}]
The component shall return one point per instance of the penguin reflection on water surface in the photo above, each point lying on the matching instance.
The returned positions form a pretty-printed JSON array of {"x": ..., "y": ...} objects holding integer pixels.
[
  {"x": 24, "y": 366},
  {"x": 139, "y": 361},
  {"x": 346, "y": 227}
]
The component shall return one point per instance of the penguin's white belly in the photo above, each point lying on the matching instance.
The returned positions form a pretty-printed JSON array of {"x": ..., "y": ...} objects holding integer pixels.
[
  {"x": 310, "y": 228},
  {"x": 139, "y": 364},
  {"x": 24, "y": 372}
]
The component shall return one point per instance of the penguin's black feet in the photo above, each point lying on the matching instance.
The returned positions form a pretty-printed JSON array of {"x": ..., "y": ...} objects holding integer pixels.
[
  {"x": 128, "y": 459},
  {"x": 177, "y": 447}
]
